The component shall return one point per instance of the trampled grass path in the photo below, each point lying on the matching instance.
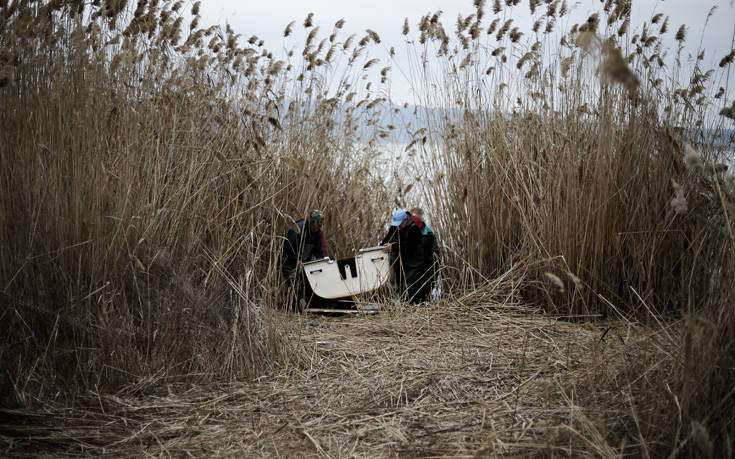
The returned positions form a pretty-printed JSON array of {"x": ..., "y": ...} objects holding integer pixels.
[{"x": 444, "y": 380}]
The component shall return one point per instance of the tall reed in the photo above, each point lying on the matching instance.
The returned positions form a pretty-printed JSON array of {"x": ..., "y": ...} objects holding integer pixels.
[
  {"x": 585, "y": 156},
  {"x": 150, "y": 169}
]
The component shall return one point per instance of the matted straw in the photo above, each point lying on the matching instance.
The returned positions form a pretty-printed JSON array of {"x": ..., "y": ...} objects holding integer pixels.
[{"x": 446, "y": 379}]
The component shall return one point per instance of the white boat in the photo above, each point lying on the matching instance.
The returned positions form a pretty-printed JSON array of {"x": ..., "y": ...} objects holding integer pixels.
[{"x": 332, "y": 279}]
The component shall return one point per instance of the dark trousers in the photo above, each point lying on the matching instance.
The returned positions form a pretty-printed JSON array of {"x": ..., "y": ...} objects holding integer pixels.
[
  {"x": 412, "y": 284},
  {"x": 298, "y": 290}
]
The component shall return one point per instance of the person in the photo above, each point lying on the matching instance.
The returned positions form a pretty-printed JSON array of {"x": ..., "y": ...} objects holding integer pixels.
[
  {"x": 304, "y": 243},
  {"x": 403, "y": 242},
  {"x": 430, "y": 250}
]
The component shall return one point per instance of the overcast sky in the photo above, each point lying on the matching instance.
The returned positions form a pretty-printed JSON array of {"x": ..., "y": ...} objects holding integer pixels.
[{"x": 268, "y": 19}]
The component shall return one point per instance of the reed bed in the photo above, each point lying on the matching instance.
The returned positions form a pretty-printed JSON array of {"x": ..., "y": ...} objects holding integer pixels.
[
  {"x": 451, "y": 379},
  {"x": 575, "y": 146},
  {"x": 592, "y": 154},
  {"x": 150, "y": 168}
]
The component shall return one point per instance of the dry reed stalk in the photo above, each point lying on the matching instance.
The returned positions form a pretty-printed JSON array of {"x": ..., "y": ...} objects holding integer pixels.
[
  {"x": 585, "y": 173},
  {"x": 148, "y": 188},
  {"x": 453, "y": 378},
  {"x": 570, "y": 180}
]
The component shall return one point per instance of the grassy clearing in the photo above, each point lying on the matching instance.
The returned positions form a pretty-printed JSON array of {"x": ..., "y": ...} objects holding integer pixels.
[
  {"x": 150, "y": 168},
  {"x": 452, "y": 379}
]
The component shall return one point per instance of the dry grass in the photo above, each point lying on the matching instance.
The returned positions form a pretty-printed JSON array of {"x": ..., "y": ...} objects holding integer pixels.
[
  {"x": 149, "y": 175},
  {"x": 578, "y": 151},
  {"x": 570, "y": 158},
  {"x": 150, "y": 171},
  {"x": 451, "y": 379}
]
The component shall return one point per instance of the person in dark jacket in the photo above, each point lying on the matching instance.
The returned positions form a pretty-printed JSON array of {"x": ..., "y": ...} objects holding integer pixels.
[
  {"x": 430, "y": 250},
  {"x": 305, "y": 243},
  {"x": 403, "y": 242}
]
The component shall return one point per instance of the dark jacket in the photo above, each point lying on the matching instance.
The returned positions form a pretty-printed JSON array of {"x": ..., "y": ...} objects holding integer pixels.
[
  {"x": 430, "y": 249},
  {"x": 391, "y": 236},
  {"x": 429, "y": 246},
  {"x": 408, "y": 252},
  {"x": 428, "y": 240},
  {"x": 304, "y": 245}
]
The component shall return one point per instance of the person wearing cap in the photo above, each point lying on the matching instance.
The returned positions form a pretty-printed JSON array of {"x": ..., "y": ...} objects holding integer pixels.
[
  {"x": 403, "y": 242},
  {"x": 303, "y": 243}
]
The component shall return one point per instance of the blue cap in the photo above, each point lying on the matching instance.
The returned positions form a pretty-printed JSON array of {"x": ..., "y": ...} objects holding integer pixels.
[{"x": 398, "y": 217}]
